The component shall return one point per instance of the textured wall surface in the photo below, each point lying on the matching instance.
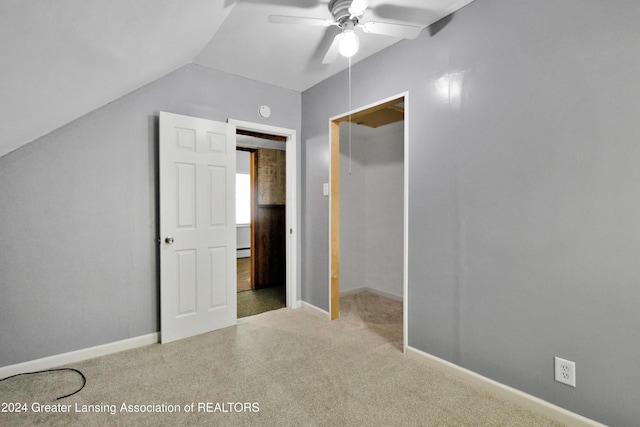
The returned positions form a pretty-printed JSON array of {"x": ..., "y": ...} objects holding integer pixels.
[
  {"x": 523, "y": 193},
  {"x": 272, "y": 173},
  {"x": 372, "y": 209},
  {"x": 78, "y": 214}
]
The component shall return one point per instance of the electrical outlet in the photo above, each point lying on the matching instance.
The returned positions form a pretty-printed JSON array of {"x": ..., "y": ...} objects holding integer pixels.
[{"x": 565, "y": 371}]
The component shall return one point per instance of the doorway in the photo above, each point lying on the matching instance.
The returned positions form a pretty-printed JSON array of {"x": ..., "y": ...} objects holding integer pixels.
[
  {"x": 272, "y": 246},
  {"x": 245, "y": 192},
  {"x": 260, "y": 211},
  {"x": 368, "y": 212}
]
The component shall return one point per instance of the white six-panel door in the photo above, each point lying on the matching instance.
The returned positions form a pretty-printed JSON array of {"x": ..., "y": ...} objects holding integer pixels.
[{"x": 197, "y": 226}]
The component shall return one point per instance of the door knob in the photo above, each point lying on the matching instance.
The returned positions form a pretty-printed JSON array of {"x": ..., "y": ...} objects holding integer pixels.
[{"x": 168, "y": 240}]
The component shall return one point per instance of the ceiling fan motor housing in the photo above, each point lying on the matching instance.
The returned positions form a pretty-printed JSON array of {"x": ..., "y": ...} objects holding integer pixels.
[{"x": 340, "y": 10}]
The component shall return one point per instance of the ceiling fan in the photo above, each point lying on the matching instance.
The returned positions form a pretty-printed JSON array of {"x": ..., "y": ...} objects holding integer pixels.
[{"x": 347, "y": 15}]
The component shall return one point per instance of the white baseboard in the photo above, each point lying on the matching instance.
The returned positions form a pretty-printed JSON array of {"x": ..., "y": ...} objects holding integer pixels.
[
  {"x": 243, "y": 253},
  {"x": 296, "y": 304},
  {"x": 78, "y": 355},
  {"x": 373, "y": 291},
  {"x": 315, "y": 310},
  {"x": 521, "y": 398}
]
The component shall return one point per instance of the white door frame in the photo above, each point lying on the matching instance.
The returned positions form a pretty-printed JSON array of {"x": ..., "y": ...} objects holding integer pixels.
[
  {"x": 292, "y": 214},
  {"x": 405, "y": 264}
]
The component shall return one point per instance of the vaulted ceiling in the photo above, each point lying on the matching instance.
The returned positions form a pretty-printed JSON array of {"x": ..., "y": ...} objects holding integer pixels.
[{"x": 62, "y": 59}]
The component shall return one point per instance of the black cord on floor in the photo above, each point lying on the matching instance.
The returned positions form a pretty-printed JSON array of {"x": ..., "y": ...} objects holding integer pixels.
[{"x": 84, "y": 379}]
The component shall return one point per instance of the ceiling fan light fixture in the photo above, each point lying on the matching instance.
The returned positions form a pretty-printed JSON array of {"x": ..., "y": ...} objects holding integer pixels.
[
  {"x": 349, "y": 43},
  {"x": 349, "y": 15}
]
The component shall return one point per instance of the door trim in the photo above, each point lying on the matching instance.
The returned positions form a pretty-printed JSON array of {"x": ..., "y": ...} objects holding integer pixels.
[
  {"x": 334, "y": 211},
  {"x": 292, "y": 213}
]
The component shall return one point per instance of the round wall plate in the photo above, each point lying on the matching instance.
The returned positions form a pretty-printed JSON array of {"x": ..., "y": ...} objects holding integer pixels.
[{"x": 264, "y": 111}]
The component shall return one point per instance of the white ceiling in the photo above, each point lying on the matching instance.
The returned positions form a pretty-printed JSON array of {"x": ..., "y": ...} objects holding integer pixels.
[{"x": 62, "y": 59}]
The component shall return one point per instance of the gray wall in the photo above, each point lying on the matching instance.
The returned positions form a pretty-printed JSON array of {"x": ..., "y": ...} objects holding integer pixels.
[
  {"x": 524, "y": 206},
  {"x": 353, "y": 232},
  {"x": 78, "y": 220},
  {"x": 371, "y": 208}
]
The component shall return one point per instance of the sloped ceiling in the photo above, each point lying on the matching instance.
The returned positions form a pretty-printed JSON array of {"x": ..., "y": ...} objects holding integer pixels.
[
  {"x": 290, "y": 56},
  {"x": 62, "y": 59}
]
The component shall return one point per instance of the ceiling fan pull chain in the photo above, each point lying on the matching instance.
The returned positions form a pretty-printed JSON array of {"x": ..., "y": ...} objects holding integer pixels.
[{"x": 349, "y": 115}]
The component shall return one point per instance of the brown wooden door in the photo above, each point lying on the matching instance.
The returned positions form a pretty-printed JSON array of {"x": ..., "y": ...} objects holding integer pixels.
[
  {"x": 269, "y": 219},
  {"x": 270, "y": 246}
]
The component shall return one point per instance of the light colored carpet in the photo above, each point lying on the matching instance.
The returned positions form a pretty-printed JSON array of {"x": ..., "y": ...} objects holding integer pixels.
[
  {"x": 382, "y": 316},
  {"x": 297, "y": 368}
]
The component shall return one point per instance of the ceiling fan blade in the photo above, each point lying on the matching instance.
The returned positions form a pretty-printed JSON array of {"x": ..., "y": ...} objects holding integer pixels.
[
  {"x": 334, "y": 50},
  {"x": 358, "y": 7},
  {"x": 394, "y": 30},
  {"x": 282, "y": 19}
]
